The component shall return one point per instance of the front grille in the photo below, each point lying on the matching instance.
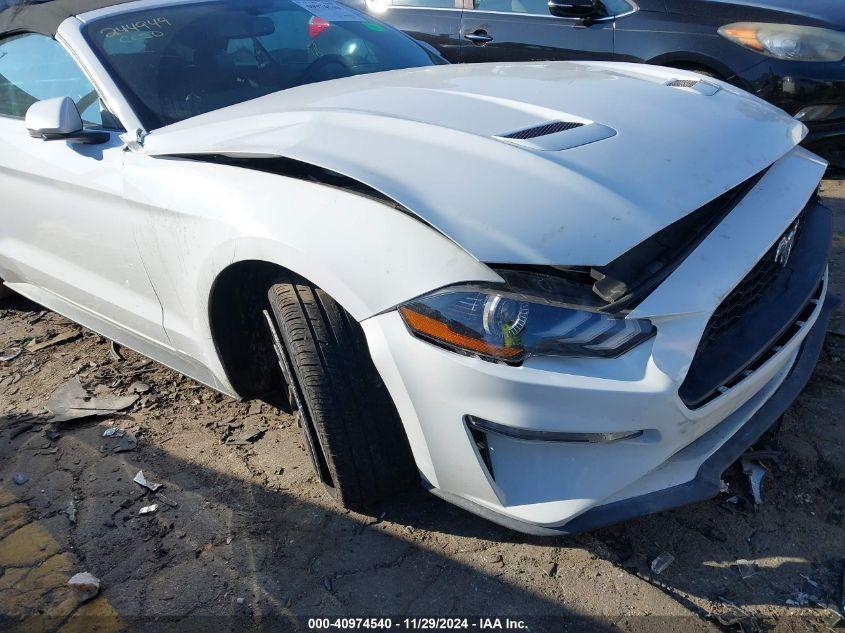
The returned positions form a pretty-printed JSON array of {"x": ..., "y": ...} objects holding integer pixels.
[
  {"x": 744, "y": 296},
  {"x": 543, "y": 130},
  {"x": 766, "y": 310},
  {"x": 795, "y": 327}
]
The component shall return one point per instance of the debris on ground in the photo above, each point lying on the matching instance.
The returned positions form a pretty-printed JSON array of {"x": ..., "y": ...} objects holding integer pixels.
[
  {"x": 804, "y": 498},
  {"x": 659, "y": 564},
  {"x": 142, "y": 481},
  {"x": 138, "y": 387},
  {"x": 755, "y": 472},
  {"x": 149, "y": 509},
  {"x": 86, "y": 583},
  {"x": 806, "y": 594},
  {"x": 127, "y": 441},
  {"x": 20, "y": 479},
  {"x": 72, "y": 402},
  {"x": 248, "y": 437},
  {"x": 746, "y": 568},
  {"x": 114, "y": 351},
  {"x": 735, "y": 616},
  {"x": 496, "y": 559},
  {"x": 64, "y": 337},
  {"x": 10, "y": 354},
  {"x": 70, "y": 511}
]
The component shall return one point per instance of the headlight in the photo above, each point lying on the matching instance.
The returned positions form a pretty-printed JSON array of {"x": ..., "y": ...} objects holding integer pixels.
[
  {"x": 788, "y": 41},
  {"x": 510, "y": 326}
]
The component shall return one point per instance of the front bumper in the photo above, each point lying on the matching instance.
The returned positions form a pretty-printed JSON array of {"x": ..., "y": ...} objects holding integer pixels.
[
  {"x": 794, "y": 86},
  {"x": 546, "y": 486},
  {"x": 707, "y": 481}
]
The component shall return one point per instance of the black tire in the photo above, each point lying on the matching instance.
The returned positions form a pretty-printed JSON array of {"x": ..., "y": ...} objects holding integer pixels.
[
  {"x": 5, "y": 292},
  {"x": 349, "y": 423}
]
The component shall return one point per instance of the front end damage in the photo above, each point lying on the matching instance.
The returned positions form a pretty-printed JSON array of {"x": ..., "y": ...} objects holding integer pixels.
[{"x": 561, "y": 445}]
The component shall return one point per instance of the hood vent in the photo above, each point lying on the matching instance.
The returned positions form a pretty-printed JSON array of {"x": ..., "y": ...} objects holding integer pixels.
[
  {"x": 542, "y": 130},
  {"x": 696, "y": 85},
  {"x": 682, "y": 83},
  {"x": 556, "y": 136}
]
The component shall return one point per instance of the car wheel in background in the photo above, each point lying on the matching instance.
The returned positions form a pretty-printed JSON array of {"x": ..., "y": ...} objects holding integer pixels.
[{"x": 349, "y": 424}]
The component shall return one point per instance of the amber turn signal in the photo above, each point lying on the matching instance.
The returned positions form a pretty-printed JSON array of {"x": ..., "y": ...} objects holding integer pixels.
[{"x": 438, "y": 331}]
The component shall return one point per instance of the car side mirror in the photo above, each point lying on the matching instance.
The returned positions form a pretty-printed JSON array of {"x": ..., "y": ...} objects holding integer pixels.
[
  {"x": 58, "y": 120},
  {"x": 573, "y": 8}
]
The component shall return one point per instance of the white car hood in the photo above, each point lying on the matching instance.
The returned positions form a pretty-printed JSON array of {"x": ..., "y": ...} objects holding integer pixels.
[{"x": 425, "y": 138}]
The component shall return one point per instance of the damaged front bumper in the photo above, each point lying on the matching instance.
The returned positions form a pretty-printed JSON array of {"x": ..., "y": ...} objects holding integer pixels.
[{"x": 707, "y": 482}]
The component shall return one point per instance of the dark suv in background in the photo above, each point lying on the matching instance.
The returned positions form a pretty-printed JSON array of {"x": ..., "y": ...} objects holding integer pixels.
[{"x": 789, "y": 52}]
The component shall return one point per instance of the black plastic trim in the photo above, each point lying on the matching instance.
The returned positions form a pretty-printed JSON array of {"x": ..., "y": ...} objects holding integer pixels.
[
  {"x": 706, "y": 483},
  {"x": 533, "y": 435}
]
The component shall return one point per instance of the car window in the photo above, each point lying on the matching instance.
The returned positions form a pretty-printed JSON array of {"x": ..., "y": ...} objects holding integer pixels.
[
  {"x": 534, "y": 7},
  {"x": 428, "y": 4},
  {"x": 617, "y": 7},
  {"x": 541, "y": 7},
  {"x": 182, "y": 60},
  {"x": 35, "y": 67}
]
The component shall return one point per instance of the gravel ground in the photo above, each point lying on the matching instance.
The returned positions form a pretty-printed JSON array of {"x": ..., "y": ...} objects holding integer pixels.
[{"x": 244, "y": 538}]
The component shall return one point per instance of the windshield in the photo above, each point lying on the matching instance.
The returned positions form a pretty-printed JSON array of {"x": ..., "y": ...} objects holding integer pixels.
[{"x": 183, "y": 60}]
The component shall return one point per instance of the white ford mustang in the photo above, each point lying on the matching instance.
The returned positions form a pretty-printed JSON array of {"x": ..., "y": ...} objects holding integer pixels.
[{"x": 561, "y": 294}]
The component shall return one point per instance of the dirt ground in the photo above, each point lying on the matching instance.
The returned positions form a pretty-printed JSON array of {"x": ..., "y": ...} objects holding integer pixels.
[{"x": 243, "y": 537}]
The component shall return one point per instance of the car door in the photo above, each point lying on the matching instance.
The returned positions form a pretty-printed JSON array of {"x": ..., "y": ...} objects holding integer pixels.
[
  {"x": 524, "y": 30},
  {"x": 65, "y": 237},
  {"x": 435, "y": 22}
]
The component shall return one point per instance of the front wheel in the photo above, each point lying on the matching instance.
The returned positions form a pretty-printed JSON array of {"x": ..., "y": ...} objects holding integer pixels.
[{"x": 349, "y": 424}]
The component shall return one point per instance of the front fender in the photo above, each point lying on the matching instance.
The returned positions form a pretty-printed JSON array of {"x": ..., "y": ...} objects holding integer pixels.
[{"x": 199, "y": 218}]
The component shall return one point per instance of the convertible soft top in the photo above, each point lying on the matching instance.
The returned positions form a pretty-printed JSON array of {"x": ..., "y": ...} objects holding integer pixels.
[{"x": 44, "y": 16}]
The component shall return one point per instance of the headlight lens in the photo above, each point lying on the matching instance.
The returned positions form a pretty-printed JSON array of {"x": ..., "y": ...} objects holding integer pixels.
[
  {"x": 508, "y": 326},
  {"x": 788, "y": 41}
]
